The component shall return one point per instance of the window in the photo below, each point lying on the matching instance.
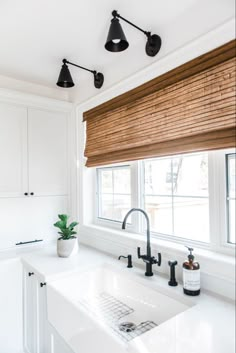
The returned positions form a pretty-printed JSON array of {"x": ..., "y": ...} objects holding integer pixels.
[
  {"x": 176, "y": 196},
  {"x": 187, "y": 197},
  {"x": 114, "y": 192},
  {"x": 230, "y": 196}
]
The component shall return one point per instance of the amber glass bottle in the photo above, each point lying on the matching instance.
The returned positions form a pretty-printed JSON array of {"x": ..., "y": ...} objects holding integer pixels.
[{"x": 191, "y": 275}]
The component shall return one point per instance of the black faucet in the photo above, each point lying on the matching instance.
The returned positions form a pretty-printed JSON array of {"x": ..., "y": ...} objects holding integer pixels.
[{"x": 148, "y": 258}]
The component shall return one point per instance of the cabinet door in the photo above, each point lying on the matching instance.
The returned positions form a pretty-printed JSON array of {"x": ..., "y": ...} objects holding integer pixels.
[
  {"x": 11, "y": 339},
  {"x": 13, "y": 150},
  {"x": 35, "y": 317},
  {"x": 29, "y": 312},
  {"x": 47, "y": 151},
  {"x": 41, "y": 308}
]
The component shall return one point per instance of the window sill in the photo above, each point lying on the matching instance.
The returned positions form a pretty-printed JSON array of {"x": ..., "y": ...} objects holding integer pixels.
[
  {"x": 218, "y": 270},
  {"x": 124, "y": 235}
]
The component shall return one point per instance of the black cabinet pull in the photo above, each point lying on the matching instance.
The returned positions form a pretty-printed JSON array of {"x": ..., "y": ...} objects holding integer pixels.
[
  {"x": 30, "y": 274},
  {"x": 26, "y": 193},
  {"x": 32, "y": 193},
  {"x": 42, "y": 284},
  {"x": 29, "y": 242}
]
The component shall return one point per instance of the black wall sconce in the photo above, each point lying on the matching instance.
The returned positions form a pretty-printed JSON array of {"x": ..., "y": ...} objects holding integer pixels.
[
  {"x": 65, "y": 80},
  {"x": 116, "y": 40}
]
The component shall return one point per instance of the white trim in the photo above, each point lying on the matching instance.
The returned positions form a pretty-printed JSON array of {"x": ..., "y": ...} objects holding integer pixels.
[
  {"x": 133, "y": 225},
  {"x": 31, "y": 101},
  {"x": 72, "y": 161},
  {"x": 224, "y": 226},
  {"x": 217, "y": 205}
]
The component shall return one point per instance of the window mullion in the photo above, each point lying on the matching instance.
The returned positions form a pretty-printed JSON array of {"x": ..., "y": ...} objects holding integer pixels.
[
  {"x": 172, "y": 199},
  {"x": 98, "y": 203},
  {"x": 215, "y": 198},
  {"x": 142, "y": 194},
  {"x": 135, "y": 195},
  {"x": 113, "y": 190}
]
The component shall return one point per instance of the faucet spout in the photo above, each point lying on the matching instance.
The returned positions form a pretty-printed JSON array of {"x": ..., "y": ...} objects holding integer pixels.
[
  {"x": 148, "y": 259},
  {"x": 148, "y": 226}
]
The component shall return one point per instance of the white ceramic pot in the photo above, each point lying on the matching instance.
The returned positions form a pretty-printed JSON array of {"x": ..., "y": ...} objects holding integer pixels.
[{"x": 67, "y": 248}]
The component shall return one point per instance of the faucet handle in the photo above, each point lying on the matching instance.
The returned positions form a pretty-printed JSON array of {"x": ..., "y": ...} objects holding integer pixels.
[
  {"x": 139, "y": 253},
  {"x": 159, "y": 259},
  {"x": 144, "y": 257}
]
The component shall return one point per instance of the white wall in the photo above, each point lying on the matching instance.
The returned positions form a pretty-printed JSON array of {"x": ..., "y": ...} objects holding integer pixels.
[
  {"x": 218, "y": 272},
  {"x": 193, "y": 49}
]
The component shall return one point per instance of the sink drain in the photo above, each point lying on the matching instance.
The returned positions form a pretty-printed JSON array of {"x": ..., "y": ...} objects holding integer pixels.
[{"x": 127, "y": 326}]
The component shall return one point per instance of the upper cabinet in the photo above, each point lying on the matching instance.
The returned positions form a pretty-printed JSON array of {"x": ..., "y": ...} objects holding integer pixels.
[
  {"x": 33, "y": 152},
  {"x": 47, "y": 153},
  {"x": 13, "y": 150}
]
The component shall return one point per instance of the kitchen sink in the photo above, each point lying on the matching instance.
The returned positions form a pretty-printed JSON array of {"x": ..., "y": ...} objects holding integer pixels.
[{"x": 106, "y": 308}]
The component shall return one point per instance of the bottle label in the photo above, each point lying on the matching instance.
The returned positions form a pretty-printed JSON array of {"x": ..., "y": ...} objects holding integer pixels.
[{"x": 191, "y": 279}]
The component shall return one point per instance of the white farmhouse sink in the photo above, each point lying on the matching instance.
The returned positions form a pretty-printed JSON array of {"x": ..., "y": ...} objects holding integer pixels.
[{"x": 103, "y": 308}]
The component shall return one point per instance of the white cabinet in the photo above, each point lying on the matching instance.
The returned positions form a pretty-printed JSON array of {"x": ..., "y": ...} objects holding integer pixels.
[
  {"x": 11, "y": 340},
  {"x": 33, "y": 172},
  {"x": 13, "y": 150},
  {"x": 38, "y": 336},
  {"x": 47, "y": 146},
  {"x": 33, "y": 152},
  {"x": 29, "y": 313},
  {"x": 34, "y": 313}
]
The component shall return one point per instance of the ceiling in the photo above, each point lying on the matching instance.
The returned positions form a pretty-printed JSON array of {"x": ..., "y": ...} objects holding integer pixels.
[{"x": 36, "y": 35}]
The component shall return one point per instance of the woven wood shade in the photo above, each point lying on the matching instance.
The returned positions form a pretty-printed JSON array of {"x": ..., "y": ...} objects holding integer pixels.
[{"x": 196, "y": 112}]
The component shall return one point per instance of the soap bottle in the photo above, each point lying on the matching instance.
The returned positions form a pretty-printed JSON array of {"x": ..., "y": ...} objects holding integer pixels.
[{"x": 191, "y": 275}]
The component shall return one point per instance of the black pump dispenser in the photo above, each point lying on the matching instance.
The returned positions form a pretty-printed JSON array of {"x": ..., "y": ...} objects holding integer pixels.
[{"x": 190, "y": 256}]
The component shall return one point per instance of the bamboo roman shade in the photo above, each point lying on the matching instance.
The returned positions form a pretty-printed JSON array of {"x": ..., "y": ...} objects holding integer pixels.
[{"x": 191, "y": 108}]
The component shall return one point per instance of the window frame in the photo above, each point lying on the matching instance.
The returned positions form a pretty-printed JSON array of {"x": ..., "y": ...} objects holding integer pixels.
[
  {"x": 170, "y": 237},
  {"x": 227, "y": 197},
  {"x": 218, "y": 237},
  {"x": 218, "y": 206},
  {"x": 133, "y": 225}
]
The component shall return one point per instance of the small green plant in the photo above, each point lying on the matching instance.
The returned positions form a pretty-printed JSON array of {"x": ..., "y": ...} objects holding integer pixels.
[{"x": 66, "y": 232}]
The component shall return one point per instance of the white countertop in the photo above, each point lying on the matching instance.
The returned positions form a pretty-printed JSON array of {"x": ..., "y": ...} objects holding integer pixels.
[{"x": 207, "y": 327}]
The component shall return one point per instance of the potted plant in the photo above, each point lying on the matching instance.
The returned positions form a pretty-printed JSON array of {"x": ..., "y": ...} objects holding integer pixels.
[{"x": 67, "y": 242}]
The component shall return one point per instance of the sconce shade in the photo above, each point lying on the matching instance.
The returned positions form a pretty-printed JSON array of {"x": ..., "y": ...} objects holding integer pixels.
[
  {"x": 65, "y": 79},
  {"x": 116, "y": 40}
]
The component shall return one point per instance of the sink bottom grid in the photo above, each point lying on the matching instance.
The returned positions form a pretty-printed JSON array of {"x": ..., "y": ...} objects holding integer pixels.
[{"x": 110, "y": 310}]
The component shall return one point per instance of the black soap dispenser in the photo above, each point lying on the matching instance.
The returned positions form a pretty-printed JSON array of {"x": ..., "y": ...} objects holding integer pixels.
[{"x": 191, "y": 275}]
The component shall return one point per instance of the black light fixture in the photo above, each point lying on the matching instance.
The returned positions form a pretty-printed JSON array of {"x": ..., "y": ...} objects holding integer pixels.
[
  {"x": 116, "y": 40},
  {"x": 65, "y": 80}
]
